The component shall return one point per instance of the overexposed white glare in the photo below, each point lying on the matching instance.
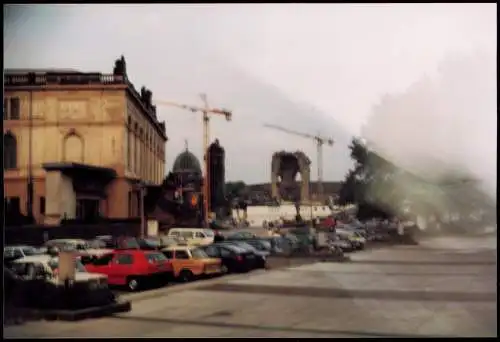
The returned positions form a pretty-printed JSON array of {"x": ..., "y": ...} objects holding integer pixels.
[{"x": 308, "y": 67}]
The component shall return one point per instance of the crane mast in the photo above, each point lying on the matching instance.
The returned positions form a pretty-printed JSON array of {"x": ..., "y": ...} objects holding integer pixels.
[{"x": 206, "y": 111}]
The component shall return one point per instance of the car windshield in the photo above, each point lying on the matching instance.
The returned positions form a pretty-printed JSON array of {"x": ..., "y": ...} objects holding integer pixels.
[
  {"x": 199, "y": 254},
  {"x": 156, "y": 257},
  {"x": 152, "y": 242},
  {"x": 54, "y": 264},
  {"x": 186, "y": 234},
  {"x": 209, "y": 233}
]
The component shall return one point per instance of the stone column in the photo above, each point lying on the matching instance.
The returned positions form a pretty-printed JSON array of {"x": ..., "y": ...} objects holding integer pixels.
[
  {"x": 143, "y": 154},
  {"x": 305, "y": 173},
  {"x": 304, "y": 191},
  {"x": 136, "y": 154},
  {"x": 131, "y": 162},
  {"x": 60, "y": 198}
]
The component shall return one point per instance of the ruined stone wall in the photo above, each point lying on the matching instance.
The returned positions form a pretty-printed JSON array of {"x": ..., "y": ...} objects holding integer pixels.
[{"x": 284, "y": 169}]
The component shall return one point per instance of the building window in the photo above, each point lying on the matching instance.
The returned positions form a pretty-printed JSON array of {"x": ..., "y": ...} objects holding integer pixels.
[
  {"x": 42, "y": 205},
  {"x": 11, "y": 108},
  {"x": 9, "y": 151},
  {"x": 15, "y": 108}
]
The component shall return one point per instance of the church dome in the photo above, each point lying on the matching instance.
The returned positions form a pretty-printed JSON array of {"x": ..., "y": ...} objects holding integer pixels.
[{"x": 186, "y": 162}]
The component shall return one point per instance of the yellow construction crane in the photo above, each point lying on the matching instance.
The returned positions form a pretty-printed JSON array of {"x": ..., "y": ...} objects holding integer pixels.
[
  {"x": 206, "y": 111},
  {"x": 320, "y": 141}
]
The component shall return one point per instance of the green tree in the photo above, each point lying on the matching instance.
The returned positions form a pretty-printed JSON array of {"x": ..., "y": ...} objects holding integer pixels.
[{"x": 235, "y": 190}]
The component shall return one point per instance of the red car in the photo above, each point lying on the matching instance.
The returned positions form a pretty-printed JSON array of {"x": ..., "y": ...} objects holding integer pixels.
[{"x": 132, "y": 267}]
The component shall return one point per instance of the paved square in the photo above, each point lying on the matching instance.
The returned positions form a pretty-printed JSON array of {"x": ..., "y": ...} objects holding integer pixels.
[{"x": 425, "y": 290}]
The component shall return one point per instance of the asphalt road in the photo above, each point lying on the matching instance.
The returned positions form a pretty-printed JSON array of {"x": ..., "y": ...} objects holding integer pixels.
[{"x": 404, "y": 291}]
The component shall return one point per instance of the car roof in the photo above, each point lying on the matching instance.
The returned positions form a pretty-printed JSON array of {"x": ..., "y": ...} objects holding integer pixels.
[
  {"x": 230, "y": 246},
  {"x": 128, "y": 251},
  {"x": 343, "y": 230},
  {"x": 43, "y": 258},
  {"x": 173, "y": 248},
  {"x": 18, "y": 246}
]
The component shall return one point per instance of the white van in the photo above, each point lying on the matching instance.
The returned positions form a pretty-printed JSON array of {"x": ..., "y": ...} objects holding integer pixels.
[{"x": 193, "y": 236}]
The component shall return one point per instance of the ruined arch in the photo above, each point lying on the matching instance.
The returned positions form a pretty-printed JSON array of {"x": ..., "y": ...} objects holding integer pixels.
[
  {"x": 73, "y": 148},
  {"x": 9, "y": 151},
  {"x": 285, "y": 166}
]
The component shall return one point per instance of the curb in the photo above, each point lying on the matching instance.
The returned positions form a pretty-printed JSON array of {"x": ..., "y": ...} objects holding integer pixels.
[
  {"x": 77, "y": 315},
  {"x": 149, "y": 294},
  {"x": 140, "y": 296}
]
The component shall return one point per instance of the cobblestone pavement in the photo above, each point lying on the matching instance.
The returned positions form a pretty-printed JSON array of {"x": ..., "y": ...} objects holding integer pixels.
[{"x": 406, "y": 291}]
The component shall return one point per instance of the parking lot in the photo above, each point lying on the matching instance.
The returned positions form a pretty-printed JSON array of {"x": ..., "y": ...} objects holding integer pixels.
[{"x": 406, "y": 291}]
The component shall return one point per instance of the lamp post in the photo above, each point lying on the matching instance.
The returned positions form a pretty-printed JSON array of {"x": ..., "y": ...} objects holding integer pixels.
[
  {"x": 29, "y": 204},
  {"x": 142, "y": 193}
]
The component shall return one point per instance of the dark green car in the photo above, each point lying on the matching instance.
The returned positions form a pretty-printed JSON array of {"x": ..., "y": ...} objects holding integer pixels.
[{"x": 241, "y": 236}]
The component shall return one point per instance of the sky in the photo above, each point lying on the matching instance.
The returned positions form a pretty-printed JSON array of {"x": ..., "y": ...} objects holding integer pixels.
[{"x": 314, "y": 68}]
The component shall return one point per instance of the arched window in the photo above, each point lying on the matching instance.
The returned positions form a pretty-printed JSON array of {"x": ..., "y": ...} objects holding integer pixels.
[
  {"x": 9, "y": 151},
  {"x": 73, "y": 148}
]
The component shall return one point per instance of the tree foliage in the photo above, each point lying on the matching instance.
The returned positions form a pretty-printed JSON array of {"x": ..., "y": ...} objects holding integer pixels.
[{"x": 235, "y": 189}]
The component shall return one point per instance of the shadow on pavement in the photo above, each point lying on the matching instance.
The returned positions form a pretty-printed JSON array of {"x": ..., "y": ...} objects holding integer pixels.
[
  {"x": 437, "y": 296},
  {"x": 436, "y": 274},
  {"x": 436, "y": 263},
  {"x": 283, "y": 329}
]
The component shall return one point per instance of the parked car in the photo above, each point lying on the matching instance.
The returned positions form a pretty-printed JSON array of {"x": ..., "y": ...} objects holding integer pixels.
[
  {"x": 279, "y": 245},
  {"x": 263, "y": 245},
  {"x": 68, "y": 244},
  {"x": 342, "y": 244},
  {"x": 190, "y": 263},
  {"x": 260, "y": 256},
  {"x": 283, "y": 244},
  {"x": 306, "y": 237},
  {"x": 241, "y": 236},
  {"x": 125, "y": 242},
  {"x": 353, "y": 237},
  {"x": 167, "y": 241},
  {"x": 11, "y": 253},
  {"x": 354, "y": 228},
  {"x": 132, "y": 267},
  {"x": 44, "y": 265},
  {"x": 43, "y": 288},
  {"x": 193, "y": 236},
  {"x": 234, "y": 258},
  {"x": 87, "y": 256}
]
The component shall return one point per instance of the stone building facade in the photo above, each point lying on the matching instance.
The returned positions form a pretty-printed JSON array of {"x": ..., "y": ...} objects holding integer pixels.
[{"x": 85, "y": 140}]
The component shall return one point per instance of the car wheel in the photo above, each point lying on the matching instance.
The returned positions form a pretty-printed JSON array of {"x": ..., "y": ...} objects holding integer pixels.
[
  {"x": 133, "y": 283},
  {"x": 185, "y": 276}
]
